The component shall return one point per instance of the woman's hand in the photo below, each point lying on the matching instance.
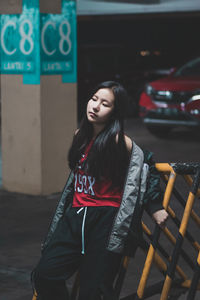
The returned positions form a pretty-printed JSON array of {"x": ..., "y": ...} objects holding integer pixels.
[{"x": 160, "y": 216}]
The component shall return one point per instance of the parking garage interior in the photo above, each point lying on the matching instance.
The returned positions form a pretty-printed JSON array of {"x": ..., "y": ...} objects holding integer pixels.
[{"x": 133, "y": 49}]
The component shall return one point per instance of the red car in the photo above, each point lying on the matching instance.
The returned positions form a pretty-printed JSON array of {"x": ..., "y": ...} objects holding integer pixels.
[{"x": 173, "y": 100}]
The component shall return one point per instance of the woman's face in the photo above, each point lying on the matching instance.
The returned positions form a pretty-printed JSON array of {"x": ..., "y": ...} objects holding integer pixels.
[{"x": 100, "y": 106}]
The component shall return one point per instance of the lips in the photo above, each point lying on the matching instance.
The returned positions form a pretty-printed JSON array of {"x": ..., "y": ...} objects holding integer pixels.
[{"x": 92, "y": 114}]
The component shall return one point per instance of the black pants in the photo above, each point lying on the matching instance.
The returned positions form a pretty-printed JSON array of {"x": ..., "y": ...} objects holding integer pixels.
[{"x": 63, "y": 256}]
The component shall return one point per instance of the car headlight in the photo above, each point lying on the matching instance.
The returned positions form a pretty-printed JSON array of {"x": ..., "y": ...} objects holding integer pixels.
[
  {"x": 195, "y": 97},
  {"x": 149, "y": 90},
  {"x": 166, "y": 94}
]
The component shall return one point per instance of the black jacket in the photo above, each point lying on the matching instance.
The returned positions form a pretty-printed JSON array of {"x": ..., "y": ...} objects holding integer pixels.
[{"x": 141, "y": 190}]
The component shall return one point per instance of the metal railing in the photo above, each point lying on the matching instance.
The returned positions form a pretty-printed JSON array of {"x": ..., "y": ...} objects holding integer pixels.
[{"x": 169, "y": 173}]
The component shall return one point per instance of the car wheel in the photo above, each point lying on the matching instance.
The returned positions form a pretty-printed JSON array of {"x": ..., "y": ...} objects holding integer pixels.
[{"x": 161, "y": 132}]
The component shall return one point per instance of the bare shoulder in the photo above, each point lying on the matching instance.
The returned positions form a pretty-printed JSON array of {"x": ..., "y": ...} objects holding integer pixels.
[{"x": 128, "y": 142}]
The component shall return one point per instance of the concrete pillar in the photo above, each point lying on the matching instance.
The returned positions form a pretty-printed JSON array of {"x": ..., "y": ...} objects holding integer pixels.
[{"x": 38, "y": 123}]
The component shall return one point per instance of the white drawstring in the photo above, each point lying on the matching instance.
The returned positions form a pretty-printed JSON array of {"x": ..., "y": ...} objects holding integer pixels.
[
  {"x": 83, "y": 226},
  {"x": 80, "y": 210}
]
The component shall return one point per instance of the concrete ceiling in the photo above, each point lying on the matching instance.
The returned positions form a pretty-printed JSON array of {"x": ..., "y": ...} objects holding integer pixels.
[{"x": 106, "y": 7}]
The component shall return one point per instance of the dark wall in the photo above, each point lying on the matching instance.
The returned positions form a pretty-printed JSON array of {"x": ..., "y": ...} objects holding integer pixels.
[
  {"x": 109, "y": 47},
  {"x": 178, "y": 33}
]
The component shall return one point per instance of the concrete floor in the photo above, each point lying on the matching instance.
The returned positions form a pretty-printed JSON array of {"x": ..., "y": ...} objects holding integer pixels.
[{"x": 24, "y": 220}]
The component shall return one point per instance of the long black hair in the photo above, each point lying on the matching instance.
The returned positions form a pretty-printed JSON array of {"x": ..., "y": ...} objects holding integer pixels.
[{"x": 108, "y": 157}]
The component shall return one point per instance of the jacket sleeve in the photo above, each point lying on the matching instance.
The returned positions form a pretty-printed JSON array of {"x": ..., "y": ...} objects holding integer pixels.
[
  {"x": 64, "y": 201},
  {"x": 153, "y": 196}
]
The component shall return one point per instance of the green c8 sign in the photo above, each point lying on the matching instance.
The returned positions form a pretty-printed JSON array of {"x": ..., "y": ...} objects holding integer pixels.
[{"x": 34, "y": 43}]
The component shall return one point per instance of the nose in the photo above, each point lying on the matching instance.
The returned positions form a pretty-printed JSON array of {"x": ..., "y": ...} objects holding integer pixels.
[{"x": 96, "y": 106}]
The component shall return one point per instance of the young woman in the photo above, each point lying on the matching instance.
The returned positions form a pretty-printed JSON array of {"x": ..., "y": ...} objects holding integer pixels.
[{"x": 98, "y": 217}]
